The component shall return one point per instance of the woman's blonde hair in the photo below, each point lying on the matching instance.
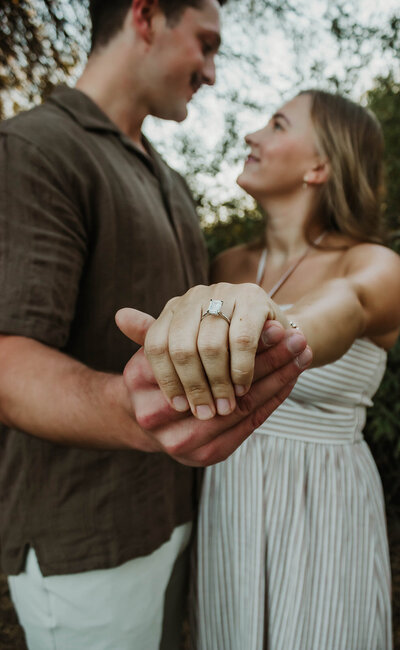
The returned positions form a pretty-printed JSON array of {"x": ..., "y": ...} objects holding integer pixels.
[{"x": 350, "y": 136}]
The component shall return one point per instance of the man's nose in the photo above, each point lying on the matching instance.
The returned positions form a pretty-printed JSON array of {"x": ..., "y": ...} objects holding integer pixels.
[{"x": 209, "y": 72}]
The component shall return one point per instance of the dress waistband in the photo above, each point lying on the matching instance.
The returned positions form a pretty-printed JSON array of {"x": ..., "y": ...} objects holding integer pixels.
[{"x": 342, "y": 427}]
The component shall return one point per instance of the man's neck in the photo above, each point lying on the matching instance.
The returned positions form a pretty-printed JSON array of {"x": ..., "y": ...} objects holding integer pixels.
[{"x": 111, "y": 86}]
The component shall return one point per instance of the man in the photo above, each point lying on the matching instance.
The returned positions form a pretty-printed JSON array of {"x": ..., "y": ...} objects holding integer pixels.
[{"x": 95, "y": 514}]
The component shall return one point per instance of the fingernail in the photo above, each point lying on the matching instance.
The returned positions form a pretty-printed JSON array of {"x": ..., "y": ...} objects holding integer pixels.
[
  {"x": 240, "y": 390},
  {"x": 180, "y": 403},
  {"x": 204, "y": 412},
  {"x": 269, "y": 336},
  {"x": 304, "y": 358},
  {"x": 223, "y": 406},
  {"x": 295, "y": 343}
]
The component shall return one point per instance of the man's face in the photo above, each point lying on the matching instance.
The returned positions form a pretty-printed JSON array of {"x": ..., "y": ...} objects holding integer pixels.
[{"x": 182, "y": 59}]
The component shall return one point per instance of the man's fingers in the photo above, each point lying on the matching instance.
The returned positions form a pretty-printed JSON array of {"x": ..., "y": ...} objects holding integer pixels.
[
  {"x": 292, "y": 346},
  {"x": 134, "y": 324},
  {"x": 272, "y": 332}
]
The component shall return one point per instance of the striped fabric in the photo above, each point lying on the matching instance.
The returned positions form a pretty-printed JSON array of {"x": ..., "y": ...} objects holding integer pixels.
[{"x": 292, "y": 550}]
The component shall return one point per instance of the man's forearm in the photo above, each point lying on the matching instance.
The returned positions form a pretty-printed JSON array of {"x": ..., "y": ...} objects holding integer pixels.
[{"x": 47, "y": 394}]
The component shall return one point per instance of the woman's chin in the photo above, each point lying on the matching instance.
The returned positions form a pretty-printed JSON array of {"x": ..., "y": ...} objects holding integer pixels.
[
  {"x": 241, "y": 181},
  {"x": 244, "y": 184}
]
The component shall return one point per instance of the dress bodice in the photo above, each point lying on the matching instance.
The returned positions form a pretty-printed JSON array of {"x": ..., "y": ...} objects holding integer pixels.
[{"x": 328, "y": 404}]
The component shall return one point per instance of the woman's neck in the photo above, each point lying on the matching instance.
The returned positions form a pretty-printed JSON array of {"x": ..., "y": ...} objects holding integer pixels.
[{"x": 285, "y": 229}]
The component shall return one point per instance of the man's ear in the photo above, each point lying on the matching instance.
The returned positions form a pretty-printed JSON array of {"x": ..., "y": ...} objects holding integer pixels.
[
  {"x": 142, "y": 16},
  {"x": 319, "y": 174}
]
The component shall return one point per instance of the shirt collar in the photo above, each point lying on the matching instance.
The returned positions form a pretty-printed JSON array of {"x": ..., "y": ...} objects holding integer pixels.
[
  {"x": 83, "y": 109},
  {"x": 90, "y": 116}
]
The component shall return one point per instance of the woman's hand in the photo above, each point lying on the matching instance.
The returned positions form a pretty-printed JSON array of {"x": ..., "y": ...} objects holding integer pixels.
[
  {"x": 199, "y": 359},
  {"x": 184, "y": 437}
]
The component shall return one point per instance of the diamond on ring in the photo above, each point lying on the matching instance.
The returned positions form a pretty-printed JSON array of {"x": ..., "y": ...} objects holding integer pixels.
[{"x": 215, "y": 309}]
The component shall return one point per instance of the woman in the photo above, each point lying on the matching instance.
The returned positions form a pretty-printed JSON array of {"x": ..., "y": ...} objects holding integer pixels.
[{"x": 292, "y": 548}]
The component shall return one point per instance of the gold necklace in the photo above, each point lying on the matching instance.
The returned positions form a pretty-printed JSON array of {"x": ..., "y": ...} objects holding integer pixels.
[{"x": 288, "y": 272}]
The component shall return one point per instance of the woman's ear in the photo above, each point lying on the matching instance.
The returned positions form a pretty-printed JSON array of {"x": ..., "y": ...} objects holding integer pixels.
[{"x": 319, "y": 174}]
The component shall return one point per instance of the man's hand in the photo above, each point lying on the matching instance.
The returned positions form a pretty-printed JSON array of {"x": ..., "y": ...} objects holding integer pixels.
[
  {"x": 204, "y": 363},
  {"x": 279, "y": 361}
]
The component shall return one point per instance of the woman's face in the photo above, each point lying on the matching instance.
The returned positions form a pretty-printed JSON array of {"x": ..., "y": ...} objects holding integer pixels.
[{"x": 283, "y": 153}]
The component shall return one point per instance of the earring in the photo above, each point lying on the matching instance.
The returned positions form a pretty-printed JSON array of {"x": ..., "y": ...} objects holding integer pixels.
[{"x": 305, "y": 183}]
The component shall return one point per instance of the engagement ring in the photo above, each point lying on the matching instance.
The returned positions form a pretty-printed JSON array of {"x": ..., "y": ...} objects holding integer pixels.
[{"x": 214, "y": 309}]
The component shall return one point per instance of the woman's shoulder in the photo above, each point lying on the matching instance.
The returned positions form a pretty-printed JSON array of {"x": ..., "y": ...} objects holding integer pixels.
[{"x": 367, "y": 254}]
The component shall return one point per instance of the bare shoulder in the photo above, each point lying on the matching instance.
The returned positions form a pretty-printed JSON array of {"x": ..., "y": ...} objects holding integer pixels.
[
  {"x": 374, "y": 258},
  {"x": 235, "y": 264}
]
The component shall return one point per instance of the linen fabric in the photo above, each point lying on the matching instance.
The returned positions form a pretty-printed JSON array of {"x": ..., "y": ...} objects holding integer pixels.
[
  {"x": 107, "y": 609},
  {"x": 88, "y": 224},
  {"x": 292, "y": 549}
]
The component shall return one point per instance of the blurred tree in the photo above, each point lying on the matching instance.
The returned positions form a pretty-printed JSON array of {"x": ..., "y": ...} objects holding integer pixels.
[
  {"x": 384, "y": 101},
  {"x": 41, "y": 42},
  {"x": 383, "y": 426}
]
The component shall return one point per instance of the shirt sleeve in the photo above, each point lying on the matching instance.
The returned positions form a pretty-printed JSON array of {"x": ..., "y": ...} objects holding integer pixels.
[{"x": 43, "y": 244}]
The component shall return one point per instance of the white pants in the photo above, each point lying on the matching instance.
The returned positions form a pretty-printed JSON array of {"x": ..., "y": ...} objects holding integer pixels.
[{"x": 111, "y": 609}]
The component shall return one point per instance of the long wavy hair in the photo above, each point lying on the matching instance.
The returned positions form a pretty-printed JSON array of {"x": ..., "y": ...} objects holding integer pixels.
[{"x": 351, "y": 138}]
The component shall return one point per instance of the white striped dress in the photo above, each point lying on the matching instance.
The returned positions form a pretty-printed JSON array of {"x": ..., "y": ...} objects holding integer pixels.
[{"x": 292, "y": 550}]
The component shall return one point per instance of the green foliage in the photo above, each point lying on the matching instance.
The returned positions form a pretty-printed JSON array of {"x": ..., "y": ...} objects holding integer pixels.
[
  {"x": 383, "y": 425},
  {"x": 41, "y": 42},
  {"x": 235, "y": 225},
  {"x": 384, "y": 101}
]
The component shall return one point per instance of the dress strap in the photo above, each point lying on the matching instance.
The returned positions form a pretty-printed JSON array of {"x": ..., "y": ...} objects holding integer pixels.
[
  {"x": 261, "y": 267},
  {"x": 288, "y": 272}
]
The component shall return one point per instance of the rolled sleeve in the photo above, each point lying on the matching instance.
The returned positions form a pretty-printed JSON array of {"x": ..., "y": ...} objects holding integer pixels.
[{"x": 43, "y": 245}]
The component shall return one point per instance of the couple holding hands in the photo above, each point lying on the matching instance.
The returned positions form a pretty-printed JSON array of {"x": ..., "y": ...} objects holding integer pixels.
[{"x": 98, "y": 486}]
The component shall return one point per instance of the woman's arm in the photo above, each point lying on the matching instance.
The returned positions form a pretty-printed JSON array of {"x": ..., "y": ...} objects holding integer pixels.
[{"x": 363, "y": 302}]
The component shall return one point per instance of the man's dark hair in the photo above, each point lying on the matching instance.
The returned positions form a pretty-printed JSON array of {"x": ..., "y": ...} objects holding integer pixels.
[{"x": 108, "y": 16}]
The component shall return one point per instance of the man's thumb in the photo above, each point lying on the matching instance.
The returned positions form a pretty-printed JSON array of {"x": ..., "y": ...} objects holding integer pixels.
[{"x": 134, "y": 323}]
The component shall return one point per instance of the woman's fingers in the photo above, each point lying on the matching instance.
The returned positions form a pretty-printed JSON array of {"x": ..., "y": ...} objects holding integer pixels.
[
  {"x": 204, "y": 351},
  {"x": 185, "y": 349},
  {"x": 244, "y": 336},
  {"x": 157, "y": 350},
  {"x": 213, "y": 347}
]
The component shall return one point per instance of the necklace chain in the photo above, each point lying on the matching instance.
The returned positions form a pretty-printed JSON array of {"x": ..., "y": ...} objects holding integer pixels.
[{"x": 288, "y": 272}]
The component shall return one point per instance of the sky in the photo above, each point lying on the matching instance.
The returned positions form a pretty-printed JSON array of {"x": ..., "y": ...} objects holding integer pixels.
[
  {"x": 284, "y": 66},
  {"x": 265, "y": 60}
]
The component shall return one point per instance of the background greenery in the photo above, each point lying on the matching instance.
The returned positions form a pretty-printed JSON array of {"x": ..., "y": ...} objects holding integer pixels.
[{"x": 343, "y": 45}]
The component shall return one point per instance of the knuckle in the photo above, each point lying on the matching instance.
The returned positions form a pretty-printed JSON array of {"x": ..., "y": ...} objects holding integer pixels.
[
  {"x": 182, "y": 355},
  {"x": 241, "y": 374},
  {"x": 174, "y": 448},
  {"x": 132, "y": 378},
  {"x": 171, "y": 303},
  {"x": 155, "y": 349},
  {"x": 198, "y": 393},
  {"x": 209, "y": 349},
  {"x": 260, "y": 415},
  {"x": 220, "y": 385},
  {"x": 179, "y": 446},
  {"x": 204, "y": 456},
  {"x": 197, "y": 291},
  {"x": 169, "y": 384},
  {"x": 146, "y": 421},
  {"x": 244, "y": 341}
]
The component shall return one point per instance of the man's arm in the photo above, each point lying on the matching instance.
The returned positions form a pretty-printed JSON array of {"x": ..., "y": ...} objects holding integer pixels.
[
  {"x": 47, "y": 394},
  {"x": 50, "y": 395}
]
